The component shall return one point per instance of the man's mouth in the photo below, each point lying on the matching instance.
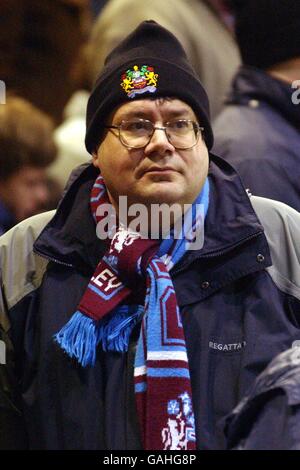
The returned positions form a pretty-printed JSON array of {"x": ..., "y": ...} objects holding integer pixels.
[{"x": 159, "y": 169}]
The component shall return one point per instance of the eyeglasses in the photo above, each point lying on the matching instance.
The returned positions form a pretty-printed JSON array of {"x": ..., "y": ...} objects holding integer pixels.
[{"x": 183, "y": 134}]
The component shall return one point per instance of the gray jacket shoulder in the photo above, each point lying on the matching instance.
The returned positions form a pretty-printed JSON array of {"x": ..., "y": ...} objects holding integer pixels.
[
  {"x": 282, "y": 229},
  {"x": 21, "y": 269}
]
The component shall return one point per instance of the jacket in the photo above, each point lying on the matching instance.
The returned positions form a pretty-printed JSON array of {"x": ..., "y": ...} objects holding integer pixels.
[
  {"x": 239, "y": 298},
  {"x": 269, "y": 416},
  {"x": 258, "y": 132}
]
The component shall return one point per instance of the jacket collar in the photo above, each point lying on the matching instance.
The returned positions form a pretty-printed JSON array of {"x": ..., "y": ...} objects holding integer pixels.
[
  {"x": 70, "y": 237},
  {"x": 230, "y": 219},
  {"x": 253, "y": 84}
]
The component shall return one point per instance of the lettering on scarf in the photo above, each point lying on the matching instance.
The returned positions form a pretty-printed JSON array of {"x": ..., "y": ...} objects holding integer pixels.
[{"x": 107, "y": 280}]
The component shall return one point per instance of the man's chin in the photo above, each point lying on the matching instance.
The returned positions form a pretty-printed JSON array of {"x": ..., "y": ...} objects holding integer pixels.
[{"x": 166, "y": 193}]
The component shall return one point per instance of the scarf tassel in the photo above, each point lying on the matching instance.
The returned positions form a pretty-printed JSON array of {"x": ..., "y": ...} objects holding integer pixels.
[
  {"x": 114, "y": 334},
  {"x": 81, "y": 335},
  {"x": 78, "y": 338}
]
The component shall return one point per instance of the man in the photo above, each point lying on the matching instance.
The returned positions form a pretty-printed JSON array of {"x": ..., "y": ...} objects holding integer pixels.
[
  {"x": 26, "y": 149},
  {"x": 258, "y": 130},
  {"x": 131, "y": 341}
]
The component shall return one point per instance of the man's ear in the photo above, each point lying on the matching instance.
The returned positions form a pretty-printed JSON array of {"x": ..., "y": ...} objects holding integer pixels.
[{"x": 95, "y": 158}]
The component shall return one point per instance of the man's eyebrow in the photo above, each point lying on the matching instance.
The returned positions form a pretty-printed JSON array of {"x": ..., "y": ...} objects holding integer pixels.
[
  {"x": 133, "y": 114},
  {"x": 180, "y": 112}
]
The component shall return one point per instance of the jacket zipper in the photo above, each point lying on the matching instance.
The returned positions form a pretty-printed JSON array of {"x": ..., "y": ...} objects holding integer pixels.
[{"x": 52, "y": 259}]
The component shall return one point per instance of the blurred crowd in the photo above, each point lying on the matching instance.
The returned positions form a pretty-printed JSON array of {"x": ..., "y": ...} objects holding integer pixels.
[{"x": 246, "y": 55}]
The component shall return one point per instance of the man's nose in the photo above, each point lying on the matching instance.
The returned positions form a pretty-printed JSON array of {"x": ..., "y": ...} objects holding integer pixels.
[{"x": 159, "y": 143}]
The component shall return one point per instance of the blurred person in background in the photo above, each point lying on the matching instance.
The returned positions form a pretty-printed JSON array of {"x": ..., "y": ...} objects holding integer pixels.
[
  {"x": 200, "y": 25},
  {"x": 96, "y": 6},
  {"x": 40, "y": 60},
  {"x": 26, "y": 149},
  {"x": 259, "y": 130},
  {"x": 69, "y": 138},
  {"x": 70, "y": 133},
  {"x": 39, "y": 49}
]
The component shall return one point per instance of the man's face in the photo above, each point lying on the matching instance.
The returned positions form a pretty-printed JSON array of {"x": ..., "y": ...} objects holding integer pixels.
[
  {"x": 157, "y": 173},
  {"x": 25, "y": 192}
]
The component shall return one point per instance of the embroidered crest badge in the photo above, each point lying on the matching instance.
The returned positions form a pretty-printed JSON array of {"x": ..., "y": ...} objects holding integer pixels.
[{"x": 139, "y": 80}]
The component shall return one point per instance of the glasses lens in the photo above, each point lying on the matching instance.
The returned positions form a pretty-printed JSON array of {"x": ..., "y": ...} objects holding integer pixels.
[
  {"x": 182, "y": 133},
  {"x": 136, "y": 133}
]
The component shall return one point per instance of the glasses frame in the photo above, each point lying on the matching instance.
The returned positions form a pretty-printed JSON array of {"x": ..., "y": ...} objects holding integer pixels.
[{"x": 197, "y": 128}]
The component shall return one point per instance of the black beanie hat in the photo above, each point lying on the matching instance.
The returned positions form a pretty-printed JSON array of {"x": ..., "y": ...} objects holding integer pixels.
[
  {"x": 150, "y": 62},
  {"x": 267, "y": 31}
]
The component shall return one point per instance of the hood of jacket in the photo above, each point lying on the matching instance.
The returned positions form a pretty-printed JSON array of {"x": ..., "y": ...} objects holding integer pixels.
[
  {"x": 255, "y": 84},
  {"x": 282, "y": 374}
]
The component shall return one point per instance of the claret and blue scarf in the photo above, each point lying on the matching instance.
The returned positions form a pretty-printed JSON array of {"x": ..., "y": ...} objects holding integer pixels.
[{"x": 107, "y": 314}]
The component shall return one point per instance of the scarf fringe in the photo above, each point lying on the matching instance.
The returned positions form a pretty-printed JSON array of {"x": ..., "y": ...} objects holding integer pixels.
[
  {"x": 78, "y": 338},
  {"x": 114, "y": 334},
  {"x": 81, "y": 335}
]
